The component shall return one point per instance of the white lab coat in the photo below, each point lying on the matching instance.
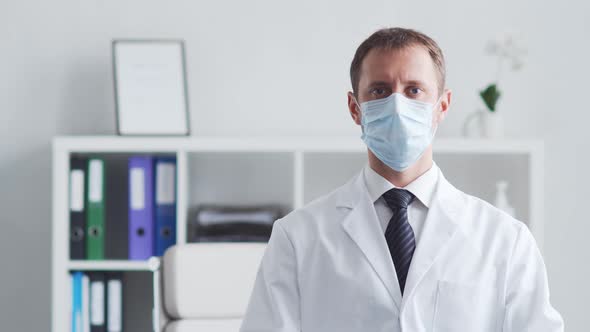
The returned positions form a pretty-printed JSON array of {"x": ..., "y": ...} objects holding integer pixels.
[{"x": 327, "y": 268}]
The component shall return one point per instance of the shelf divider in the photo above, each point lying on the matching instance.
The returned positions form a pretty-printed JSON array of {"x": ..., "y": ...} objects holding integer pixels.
[
  {"x": 182, "y": 181},
  {"x": 298, "y": 179}
]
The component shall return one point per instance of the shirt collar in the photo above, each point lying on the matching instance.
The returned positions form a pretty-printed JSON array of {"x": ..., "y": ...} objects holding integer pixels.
[{"x": 422, "y": 187}]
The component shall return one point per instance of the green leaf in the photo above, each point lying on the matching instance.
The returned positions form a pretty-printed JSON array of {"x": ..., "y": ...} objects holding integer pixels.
[{"x": 490, "y": 96}]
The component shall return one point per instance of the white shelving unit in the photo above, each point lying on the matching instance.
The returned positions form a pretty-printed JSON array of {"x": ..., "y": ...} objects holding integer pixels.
[{"x": 290, "y": 170}]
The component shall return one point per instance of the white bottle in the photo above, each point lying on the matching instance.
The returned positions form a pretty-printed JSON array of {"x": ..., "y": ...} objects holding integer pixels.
[{"x": 502, "y": 198}]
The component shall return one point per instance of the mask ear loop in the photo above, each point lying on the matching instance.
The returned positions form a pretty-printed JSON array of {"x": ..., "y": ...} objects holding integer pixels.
[
  {"x": 360, "y": 112},
  {"x": 356, "y": 103},
  {"x": 433, "y": 107}
]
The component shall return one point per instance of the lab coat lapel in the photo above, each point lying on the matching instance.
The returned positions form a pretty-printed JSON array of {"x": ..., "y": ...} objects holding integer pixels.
[
  {"x": 440, "y": 225},
  {"x": 362, "y": 225}
]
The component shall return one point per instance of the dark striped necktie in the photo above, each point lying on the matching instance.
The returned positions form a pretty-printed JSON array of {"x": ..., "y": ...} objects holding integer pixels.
[{"x": 399, "y": 234}]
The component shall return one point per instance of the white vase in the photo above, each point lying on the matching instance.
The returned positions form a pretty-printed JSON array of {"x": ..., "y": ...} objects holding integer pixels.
[
  {"x": 492, "y": 125},
  {"x": 484, "y": 124}
]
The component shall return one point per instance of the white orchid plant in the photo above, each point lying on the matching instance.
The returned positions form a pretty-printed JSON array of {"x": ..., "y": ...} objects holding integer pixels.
[{"x": 508, "y": 52}]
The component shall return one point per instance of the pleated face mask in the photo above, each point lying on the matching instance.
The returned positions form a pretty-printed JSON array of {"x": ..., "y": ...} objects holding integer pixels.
[{"x": 397, "y": 129}]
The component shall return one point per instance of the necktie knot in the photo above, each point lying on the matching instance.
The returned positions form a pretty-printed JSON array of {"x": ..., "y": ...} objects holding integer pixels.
[{"x": 398, "y": 198}]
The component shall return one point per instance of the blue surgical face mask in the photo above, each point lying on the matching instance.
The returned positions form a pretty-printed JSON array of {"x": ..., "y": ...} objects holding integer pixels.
[{"x": 397, "y": 129}]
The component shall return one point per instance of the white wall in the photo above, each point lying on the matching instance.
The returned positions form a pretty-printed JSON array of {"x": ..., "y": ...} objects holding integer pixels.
[{"x": 265, "y": 67}]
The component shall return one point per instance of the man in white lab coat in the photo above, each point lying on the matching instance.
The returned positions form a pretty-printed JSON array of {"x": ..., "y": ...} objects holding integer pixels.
[{"x": 398, "y": 248}]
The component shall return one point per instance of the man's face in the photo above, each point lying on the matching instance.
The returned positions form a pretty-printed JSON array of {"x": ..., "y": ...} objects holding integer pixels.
[{"x": 409, "y": 71}]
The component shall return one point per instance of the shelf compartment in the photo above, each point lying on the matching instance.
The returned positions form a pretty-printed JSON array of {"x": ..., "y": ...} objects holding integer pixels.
[
  {"x": 326, "y": 171},
  {"x": 477, "y": 175},
  {"x": 241, "y": 178}
]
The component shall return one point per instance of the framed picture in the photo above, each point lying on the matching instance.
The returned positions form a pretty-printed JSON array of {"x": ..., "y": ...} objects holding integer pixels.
[{"x": 150, "y": 87}]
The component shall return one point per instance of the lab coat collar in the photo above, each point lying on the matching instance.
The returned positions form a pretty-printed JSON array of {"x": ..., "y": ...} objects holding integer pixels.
[
  {"x": 362, "y": 225},
  {"x": 422, "y": 187}
]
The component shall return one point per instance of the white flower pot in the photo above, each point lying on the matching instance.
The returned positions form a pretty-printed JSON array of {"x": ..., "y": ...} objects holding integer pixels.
[
  {"x": 484, "y": 124},
  {"x": 492, "y": 125}
]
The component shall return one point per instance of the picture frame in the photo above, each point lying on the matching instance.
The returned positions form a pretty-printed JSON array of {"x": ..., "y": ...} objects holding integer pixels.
[{"x": 151, "y": 89}]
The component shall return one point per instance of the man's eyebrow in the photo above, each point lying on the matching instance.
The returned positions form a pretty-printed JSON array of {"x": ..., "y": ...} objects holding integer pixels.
[
  {"x": 415, "y": 82},
  {"x": 379, "y": 83},
  {"x": 408, "y": 82}
]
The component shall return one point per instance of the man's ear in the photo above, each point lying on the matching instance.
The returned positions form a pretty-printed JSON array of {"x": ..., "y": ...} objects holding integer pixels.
[
  {"x": 445, "y": 104},
  {"x": 353, "y": 109}
]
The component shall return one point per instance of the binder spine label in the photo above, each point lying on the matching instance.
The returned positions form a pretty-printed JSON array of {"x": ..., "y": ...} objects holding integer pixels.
[
  {"x": 95, "y": 187},
  {"x": 77, "y": 190},
  {"x": 137, "y": 189},
  {"x": 115, "y": 303},
  {"x": 97, "y": 303},
  {"x": 165, "y": 183}
]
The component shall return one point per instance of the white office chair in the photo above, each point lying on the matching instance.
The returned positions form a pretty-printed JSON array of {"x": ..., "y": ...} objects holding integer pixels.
[{"x": 206, "y": 286}]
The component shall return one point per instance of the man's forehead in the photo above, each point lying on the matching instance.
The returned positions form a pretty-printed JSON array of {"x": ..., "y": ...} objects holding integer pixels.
[{"x": 409, "y": 63}]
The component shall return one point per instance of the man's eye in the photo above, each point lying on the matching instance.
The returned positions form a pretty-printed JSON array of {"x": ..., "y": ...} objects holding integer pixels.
[
  {"x": 378, "y": 91},
  {"x": 415, "y": 91}
]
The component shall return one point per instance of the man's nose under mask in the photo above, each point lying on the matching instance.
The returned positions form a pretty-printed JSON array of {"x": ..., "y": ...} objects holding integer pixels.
[{"x": 397, "y": 129}]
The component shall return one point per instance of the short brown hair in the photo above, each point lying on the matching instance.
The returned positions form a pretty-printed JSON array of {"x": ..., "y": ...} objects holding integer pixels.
[{"x": 395, "y": 39}]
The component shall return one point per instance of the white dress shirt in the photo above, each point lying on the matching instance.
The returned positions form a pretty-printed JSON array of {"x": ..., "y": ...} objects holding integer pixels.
[{"x": 422, "y": 188}]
